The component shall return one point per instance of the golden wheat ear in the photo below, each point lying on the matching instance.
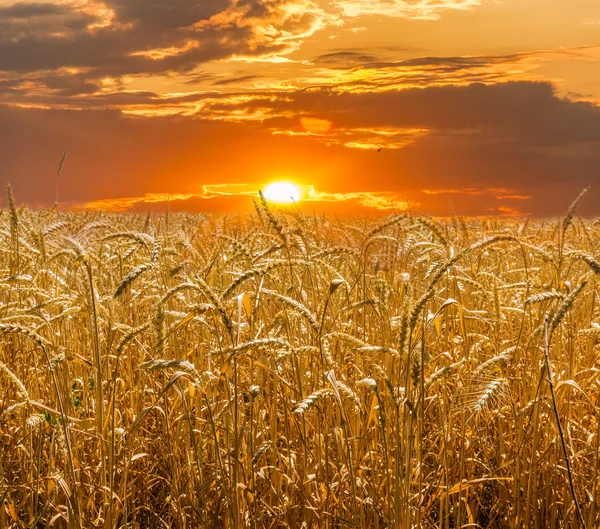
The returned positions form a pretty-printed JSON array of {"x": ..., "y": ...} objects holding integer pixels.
[{"x": 568, "y": 218}]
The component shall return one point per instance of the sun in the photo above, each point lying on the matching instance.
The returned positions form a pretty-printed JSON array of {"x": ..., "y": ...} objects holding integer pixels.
[{"x": 282, "y": 192}]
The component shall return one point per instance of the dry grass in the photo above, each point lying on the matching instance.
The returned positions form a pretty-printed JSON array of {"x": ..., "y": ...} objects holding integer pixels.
[{"x": 278, "y": 370}]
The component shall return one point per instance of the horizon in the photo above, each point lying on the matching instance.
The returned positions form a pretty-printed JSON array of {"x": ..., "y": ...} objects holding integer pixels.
[
  {"x": 306, "y": 209},
  {"x": 364, "y": 106}
]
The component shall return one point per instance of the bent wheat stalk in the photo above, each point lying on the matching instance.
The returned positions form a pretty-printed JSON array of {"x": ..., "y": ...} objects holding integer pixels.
[{"x": 559, "y": 425}]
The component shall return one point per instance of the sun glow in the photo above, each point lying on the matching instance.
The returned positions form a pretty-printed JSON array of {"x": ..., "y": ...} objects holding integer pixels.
[{"x": 282, "y": 192}]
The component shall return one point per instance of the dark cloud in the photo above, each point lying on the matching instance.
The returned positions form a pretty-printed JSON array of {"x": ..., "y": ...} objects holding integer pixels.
[
  {"x": 68, "y": 85},
  {"x": 24, "y": 10},
  {"x": 235, "y": 80},
  {"x": 378, "y": 57},
  {"x": 346, "y": 58},
  {"x": 183, "y": 33},
  {"x": 104, "y": 52},
  {"x": 42, "y": 22},
  {"x": 164, "y": 16},
  {"x": 155, "y": 37},
  {"x": 529, "y": 112},
  {"x": 454, "y": 63}
]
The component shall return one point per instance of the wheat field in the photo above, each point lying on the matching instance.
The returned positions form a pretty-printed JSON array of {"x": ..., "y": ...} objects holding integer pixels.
[{"x": 280, "y": 370}]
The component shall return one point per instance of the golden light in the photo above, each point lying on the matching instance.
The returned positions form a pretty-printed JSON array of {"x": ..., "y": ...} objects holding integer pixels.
[
  {"x": 315, "y": 125},
  {"x": 282, "y": 192}
]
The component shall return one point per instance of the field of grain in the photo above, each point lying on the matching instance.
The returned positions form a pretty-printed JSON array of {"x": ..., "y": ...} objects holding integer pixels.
[{"x": 286, "y": 370}]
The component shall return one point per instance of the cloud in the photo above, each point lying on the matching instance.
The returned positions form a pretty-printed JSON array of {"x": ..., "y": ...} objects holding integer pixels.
[
  {"x": 496, "y": 199},
  {"x": 346, "y": 58},
  {"x": 88, "y": 53},
  {"x": 500, "y": 193},
  {"x": 532, "y": 114},
  {"x": 505, "y": 211},
  {"x": 208, "y": 192},
  {"x": 164, "y": 16},
  {"x": 527, "y": 113},
  {"x": 107, "y": 44},
  {"x": 228, "y": 190},
  {"x": 342, "y": 71},
  {"x": 383, "y": 201},
  {"x": 236, "y": 80},
  {"x": 263, "y": 24},
  {"x": 125, "y": 204},
  {"x": 337, "y": 71},
  {"x": 494, "y": 194},
  {"x": 360, "y": 137},
  {"x": 23, "y": 10},
  {"x": 416, "y": 9},
  {"x": 133, "y": 37},
  {"x": 464, "y": 191}
]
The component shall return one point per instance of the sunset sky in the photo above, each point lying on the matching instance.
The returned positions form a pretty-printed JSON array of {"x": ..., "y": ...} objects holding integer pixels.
[{"x": 485, "y": 107}]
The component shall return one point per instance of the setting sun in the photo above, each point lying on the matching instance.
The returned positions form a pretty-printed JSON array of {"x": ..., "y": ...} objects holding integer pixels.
[{"x": 282, "y": 192}]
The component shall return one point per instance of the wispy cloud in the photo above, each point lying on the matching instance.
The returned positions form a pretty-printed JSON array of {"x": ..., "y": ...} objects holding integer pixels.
[
  {"x": 209, "y": 191},
  {"x": 498, "y": 193},
  {"x": 229, "y": 190},
  {"x": 81, "y": 85},
  {"x": 367, "y": 199},
  {"x": 494, "y": 200},
  {"x": 268, "y": 24},
  {"x": 506, "y": 211},
  {"x": 464, "y": 191},
  {"x": 360, "y": 137},
  {"x": 416, "y": 9},
  {"x": 379, "y": 201},
  {"x": 126, "y": 203}
]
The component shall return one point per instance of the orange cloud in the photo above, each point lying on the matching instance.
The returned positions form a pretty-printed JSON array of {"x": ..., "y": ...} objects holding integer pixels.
[
  {"x": 124, "y": 204},
  {"x": 419, "y": 9},
  {"x": 505, "y": 211},
  {"x": 498, "y": 193},
  {"x": 361, "y": 137},
  {"x": 158, "y": 54},
  {"x": 316, "y": 125},
  {"x": 228, "y": 190},
  {"x": 374, "y": 200},
  {"x": 368, "y": 199},
  {"x": 507, "y": 194},
  {"x": 464, "y": 191},
  {"x": 281, "y": 25}
]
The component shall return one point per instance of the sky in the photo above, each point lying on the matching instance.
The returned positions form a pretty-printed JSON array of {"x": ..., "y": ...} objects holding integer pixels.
[{"x": 480, "y": 107}]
